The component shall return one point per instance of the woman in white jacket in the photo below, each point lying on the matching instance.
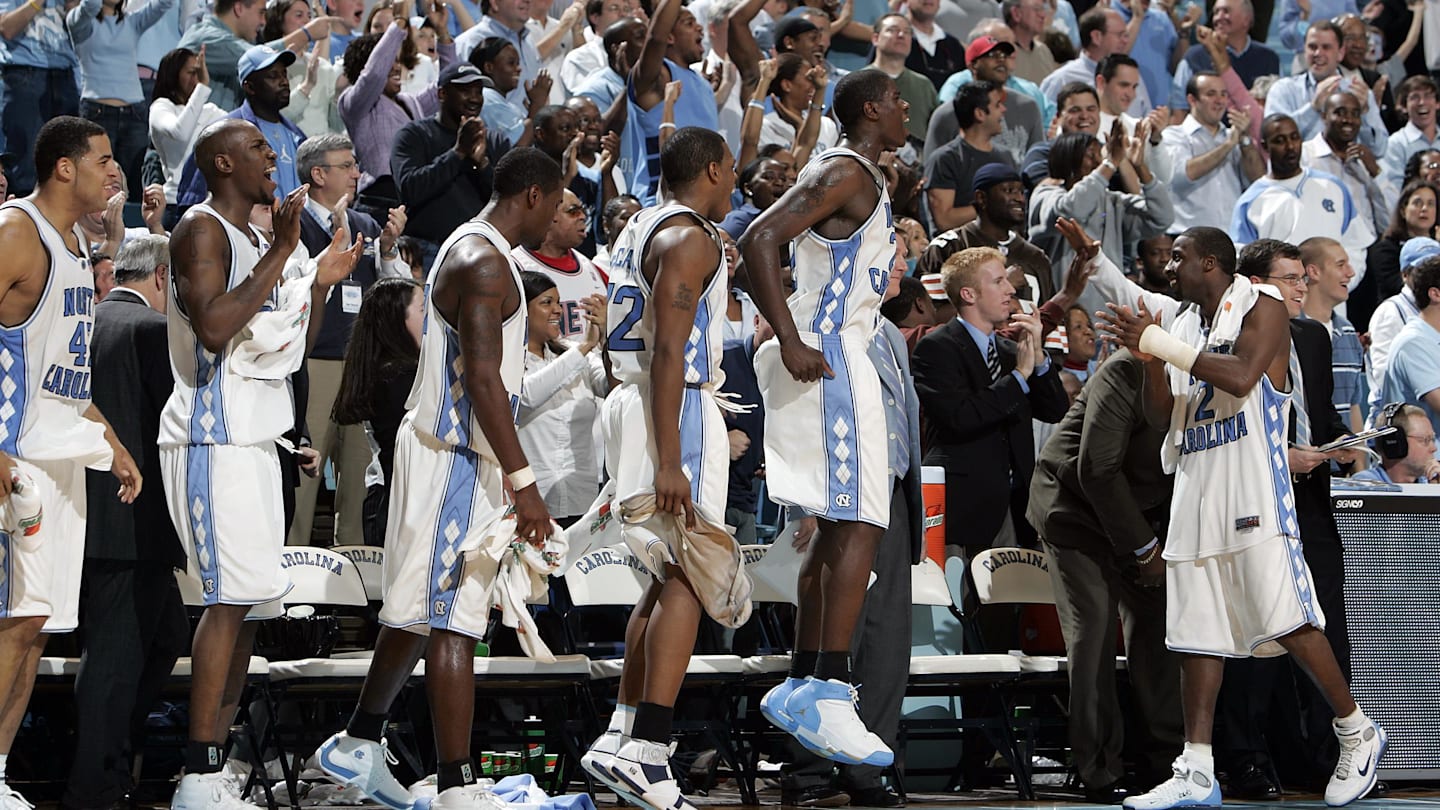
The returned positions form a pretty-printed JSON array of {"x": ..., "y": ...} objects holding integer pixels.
[
  {"x": 180, "y": 109},
  {"x": 560, "y": 401}
]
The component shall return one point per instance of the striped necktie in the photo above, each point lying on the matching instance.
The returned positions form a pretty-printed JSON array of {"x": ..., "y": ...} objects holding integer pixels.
[
  {"x": 992, "y": 360},
  {"x": 1297, "y": 397}
]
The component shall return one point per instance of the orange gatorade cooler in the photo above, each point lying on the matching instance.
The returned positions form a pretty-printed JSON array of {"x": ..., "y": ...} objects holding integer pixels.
[{"x": 932, "y": 488}]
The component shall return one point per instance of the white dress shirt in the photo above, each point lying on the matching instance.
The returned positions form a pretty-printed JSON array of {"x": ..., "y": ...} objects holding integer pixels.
[
  {"x": 1209, "y": 199},
  {"x": 1370, "y": 199},
  {"x": 1295, "y": 96},
  {"x": 1082, "y": 69}
]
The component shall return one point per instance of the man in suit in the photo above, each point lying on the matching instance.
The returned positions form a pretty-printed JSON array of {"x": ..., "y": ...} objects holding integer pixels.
[
  {"x": 881, "y": 646},
  {"x": 1100, "y": 501},
  {"x": 135, "y": 625},
  {"x": 1251, "y": 685},
  {"x": 980, "y": 392},
  {"x": 327, "y": 163}
]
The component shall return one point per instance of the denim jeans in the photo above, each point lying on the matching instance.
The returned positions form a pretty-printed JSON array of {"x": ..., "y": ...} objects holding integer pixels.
[
  {"x": 32, "y": 97},
  {"x": 129, "y": 131}
]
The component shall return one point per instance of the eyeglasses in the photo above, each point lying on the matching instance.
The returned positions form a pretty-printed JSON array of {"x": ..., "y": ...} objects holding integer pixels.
[
  {"x": 1292, "y": 280},
  {"x": 344, "y": 167},
  {"x": 574, "y": 211},
  {"x": 1430, "y": 439}
]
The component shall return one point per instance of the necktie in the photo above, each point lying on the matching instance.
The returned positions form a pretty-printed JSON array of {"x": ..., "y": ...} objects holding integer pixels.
[
  {"x": 1297, "y": 397},
  {"x": 992, "y": 361}
]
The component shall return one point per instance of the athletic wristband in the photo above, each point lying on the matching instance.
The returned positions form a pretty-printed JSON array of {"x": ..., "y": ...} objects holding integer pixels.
[
  {"x": 36, "y": 5},
  {"x": 308, "y": 37},
  {"x": 666, "y": 125},
  {"x": 521, "y": 478},
  {"x": 1157, "y": 342},
  {"x": 1107, "y": 163},
  {"x": 757, "y": 105}
]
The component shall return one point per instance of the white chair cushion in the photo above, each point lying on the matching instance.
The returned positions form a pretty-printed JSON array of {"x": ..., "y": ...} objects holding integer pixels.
[
  {"x": 766, "y": 664},
  {"x": 607, "y": 668},
  {"x": 520, "y": 665},
  {"x": 52, "y": 667},
  {"x": 355, "y": 668},
  {"x": 964, "y": 665},
  {"x": 1042, "y": 663}
]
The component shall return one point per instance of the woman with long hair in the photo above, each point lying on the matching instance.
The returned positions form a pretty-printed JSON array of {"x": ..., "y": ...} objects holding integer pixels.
[
  {"x": 1415, "y": 215},
  {"x": 380, "y": 363},
  {"x": 560, "y": 400},
  {"x": 179, "y": 109},
  {"x": 312, "y": 75},
  {"x": 1083, "y": 168}
]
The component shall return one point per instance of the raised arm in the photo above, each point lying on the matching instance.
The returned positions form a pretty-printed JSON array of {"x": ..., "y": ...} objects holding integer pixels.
[
  {"x": 682, "y": 256},
  {"x": 644, "y": 81},
  {"x": 81, "y": 21},
  {"x": 150, "y": 13},
  {"x": 359, "y": 98},
  {"x": 744, "y": 50},
  {"x": 200, "y": 255}
]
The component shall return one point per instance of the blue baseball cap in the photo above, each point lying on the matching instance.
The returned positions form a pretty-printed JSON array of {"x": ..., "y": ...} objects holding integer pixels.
[
  {"x": 1416, "y": 250},
  {"x": 259, "y": 57}
]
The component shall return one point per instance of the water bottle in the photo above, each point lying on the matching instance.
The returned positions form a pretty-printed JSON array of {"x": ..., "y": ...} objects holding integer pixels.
[{"x": 23, "y": 510}]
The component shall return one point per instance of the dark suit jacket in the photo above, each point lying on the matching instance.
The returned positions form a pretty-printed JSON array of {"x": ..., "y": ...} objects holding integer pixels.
[
  {"x": 980, "y": 431},
  {"x": 1312, "y": 489},
  {"x": 130, "y": 382},
  {"x": 335, "y": 330},
  {"x": 1099, "y": 475}
]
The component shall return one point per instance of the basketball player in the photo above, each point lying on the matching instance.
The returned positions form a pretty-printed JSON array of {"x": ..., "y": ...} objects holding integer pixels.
[
  {"x": 49, "y": 430},
  {"x": 825, "y": 434},
  {"x": 455, "y": 452},
  {"x": 1236, "y": 577},
  {"x": 218, "y": 429},
  {"x": 666, "y": 442}
]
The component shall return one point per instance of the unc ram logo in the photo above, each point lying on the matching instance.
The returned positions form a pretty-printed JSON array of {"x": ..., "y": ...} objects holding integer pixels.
[{"x": 1328, "y": 204}]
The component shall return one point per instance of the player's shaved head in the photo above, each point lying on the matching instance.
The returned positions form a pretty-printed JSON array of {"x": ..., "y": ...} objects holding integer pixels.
[{"x": 223, "y": 137}]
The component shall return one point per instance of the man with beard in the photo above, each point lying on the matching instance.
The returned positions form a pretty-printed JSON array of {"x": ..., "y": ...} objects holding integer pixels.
[
  {"x": 999, "y": 222},
  {"x": 267, "y": 90},
  {"x": 1335, "y": 151},
  {"x": 1293, "y": 203},
  {"x": 989, "y": 59}
]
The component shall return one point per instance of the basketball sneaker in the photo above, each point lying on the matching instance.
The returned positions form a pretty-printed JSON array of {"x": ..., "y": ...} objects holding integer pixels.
[
  {"x": 773, "y": 704},
  {"x": 601, "y": 757},
  {"x": 208, "y": 791},
  {"x": 1188, "y": 787},
  {"x": 827, "y": 724},
  {"x": 10, "y": 799},
  {"x": 1360, "y": 752},
  {"x": 643, "y": 767},
  {"x": 361, "y": 764},
  {"x": 467, "y": 797}
]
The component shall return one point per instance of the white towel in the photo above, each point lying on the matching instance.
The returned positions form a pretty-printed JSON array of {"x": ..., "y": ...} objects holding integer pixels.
[
  {"x": 522, "y": 576},
  {"x": 272, "y": 344}
]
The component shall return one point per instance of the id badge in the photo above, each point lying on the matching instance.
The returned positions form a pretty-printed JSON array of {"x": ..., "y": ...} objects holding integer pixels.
[{"x": 350, "y": 295}]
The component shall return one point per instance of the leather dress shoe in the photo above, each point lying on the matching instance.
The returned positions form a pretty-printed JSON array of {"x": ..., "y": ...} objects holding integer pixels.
[
  {"x": 818, "y": 796},
  {"x": 877, "y": 796},
  {"x": 1251, "y": 781},
  {"x": 1114, "y": 793}
]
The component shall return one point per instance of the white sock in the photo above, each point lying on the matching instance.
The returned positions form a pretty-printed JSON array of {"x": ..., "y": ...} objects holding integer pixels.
[
  {"x": 3, "y": 758},
  {"x": 622, "y": 719},
  {"x": 1201, "y": 755},
  {"x": 1349, "y": 722}
]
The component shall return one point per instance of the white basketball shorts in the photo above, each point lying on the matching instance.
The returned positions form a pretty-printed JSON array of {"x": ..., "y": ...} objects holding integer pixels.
[
  {"x": 440, "y": 493},
  {"x": 704, "y": 448},
  {"x": 825, "y": 442},
  {"x": 40, "y": 574},
  {"x": 1235, "y": 605},
  {"x": 226, "y": 503}
]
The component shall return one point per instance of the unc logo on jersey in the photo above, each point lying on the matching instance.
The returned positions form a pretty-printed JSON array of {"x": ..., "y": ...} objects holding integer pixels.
[
  {"x": 209, "y": 585},
  {"x": 439, "y": 607},
  {"x": 879, "y": 279},
  {"x": 1328, "y": 204},
  {"x": 843, "y": 500}
]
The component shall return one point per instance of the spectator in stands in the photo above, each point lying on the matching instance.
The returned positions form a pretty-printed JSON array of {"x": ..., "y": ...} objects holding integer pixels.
[
  {"x": 554, "y": 38},
  {"x": 1296, "y": 19},
  {"x": 892, "y": 39},
  {"x": 980, "y": 111},
  {"x": 762, "y": 182},
  {"x": 1231, "y": 21},
  {"x": 498, "y": 59},
  {"x": 39, "y": 65},
  {"x": 1356, "y": 64},
  {"x": 1302, "y": 97},
  {"x": 797, "y": 92},
  {"x": 228, "y": 31},
  {"x": 1158, "y": 38},
  {"x": 934, "y": 53},
  {"x": 348, "y": 24},
  {"x": 582, "y": 62},
  {"x": 1150, "y": 264},
  {"x": 379, "y": 370},
  {"x": 313, "y": 75},
  {"x": 1335, "y": 151},
  {"x": 557, "y": 257},
  {"x": 505, "y": 19},
  {"x": 555, "y": 132},
  {"x": 179, "y": 111},
  {"x": 1417, "y": 97},
  {"x": 595, "y": 159},
  {"x": 1327, "y": 266},
  {"x": 1100, "y": 503},
  {"x": 427, "y": 58},
  {"x": 1210, "y": 164},
  {"x": 911, "y": 306},
  {"x": 560, "y": 396},
  {"x": 822, "y": 21},
  {"x": 1084, "y": 194},
  {"x": 1413, "y": 373},
  {"x": 621, "y": 42},
  {"x": 1294, "y": 202},
  {"x": 102, "y": 266},
  {"x": 1408, "y": 455},
  {"x": 1102, "y": 32},
  {"x": 105, "y": 36},
  {"x": 443, "y": 165},
  {"x": 617, "y": 213},
  {"x": 1028, "y": 18},
  {"x": 374, "y": 108},
  {"x": 1393, "y": 314},
  {"x": 1414, "y": 216},
  {"x": 746, "y": 431},
  {"x": 999, "y": 205},
  {"x": 327, "y": 163},
  {"x": 1079, "y": 107},
  {"x": 989, "y": 58},
  {"x": 135, "y": 624}
]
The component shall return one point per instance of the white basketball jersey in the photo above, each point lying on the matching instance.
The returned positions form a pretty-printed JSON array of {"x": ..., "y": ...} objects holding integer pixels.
[
  {"x": 631, "y": 319},
  {"x": 211, "y": 402},
  {"x": 840, "y": 283},
  {"x": 571, "y": 287},
  {"x": 45, "y": 359},
  {"x": 439, "y": 405},
  {"x": 1232, "y": 484}
]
